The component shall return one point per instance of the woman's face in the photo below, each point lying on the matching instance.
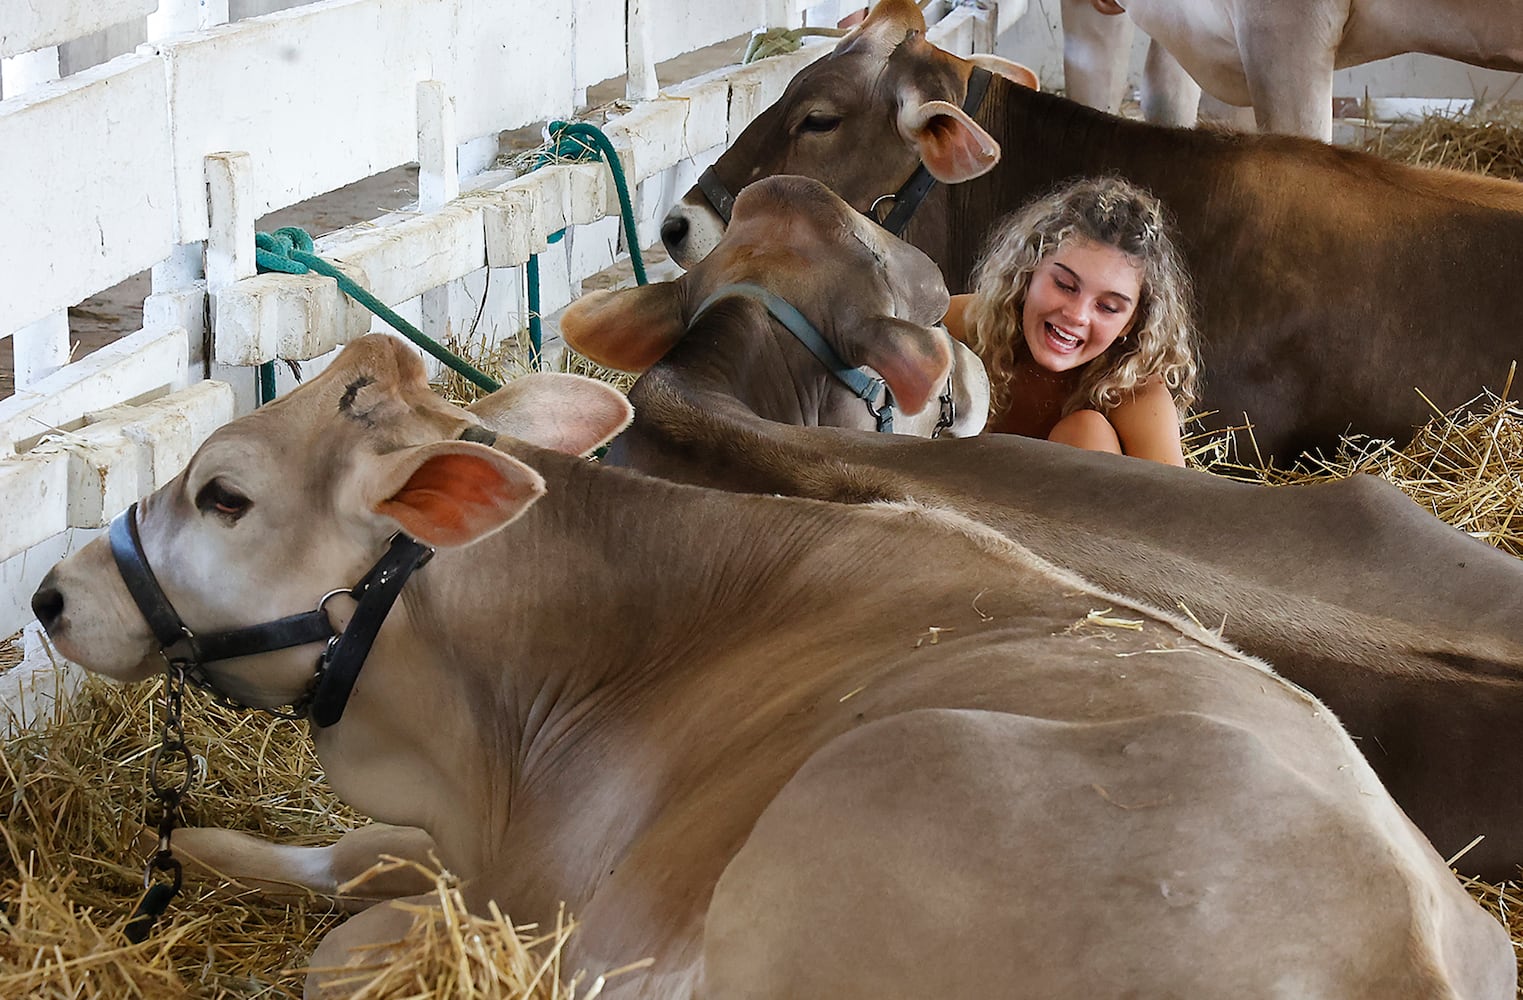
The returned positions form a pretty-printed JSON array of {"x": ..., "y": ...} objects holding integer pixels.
[{"x": 1083, "y": 296}]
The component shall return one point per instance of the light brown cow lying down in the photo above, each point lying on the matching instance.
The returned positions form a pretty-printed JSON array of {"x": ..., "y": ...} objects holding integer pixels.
[
  {"x": 787, "y": 749},
  {"x": 1408, "y": 628}
]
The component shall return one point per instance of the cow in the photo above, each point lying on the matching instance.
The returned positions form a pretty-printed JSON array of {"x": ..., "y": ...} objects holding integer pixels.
[
  {"x": 1329, "y": 282},
  {"x": 777, "y": 747},
  {"x": 1097, "y": 55},
  {"x": 873, "y": 300},
  {"x": 1405, "y": 626},
  {"x": 1279, "y": 58}
]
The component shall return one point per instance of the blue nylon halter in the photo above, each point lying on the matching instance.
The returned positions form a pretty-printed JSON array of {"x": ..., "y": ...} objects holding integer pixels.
[{"x": 864, "y": 387}]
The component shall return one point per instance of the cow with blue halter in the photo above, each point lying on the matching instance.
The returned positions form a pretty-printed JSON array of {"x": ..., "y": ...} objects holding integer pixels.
[{"x": 808, "y": 313}]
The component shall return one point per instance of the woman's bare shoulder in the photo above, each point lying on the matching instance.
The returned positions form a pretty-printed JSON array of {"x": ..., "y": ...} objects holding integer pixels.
[
  {"x": 956, "y": 319},
  {"x": 1147, "y": 422}
]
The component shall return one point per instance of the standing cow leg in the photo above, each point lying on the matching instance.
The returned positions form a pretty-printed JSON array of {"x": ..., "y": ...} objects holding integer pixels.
[
  {"x": 1289, "y": 67},
  {"x": 1097, "y": 50},
  {"x": 1170, "y": 96}
]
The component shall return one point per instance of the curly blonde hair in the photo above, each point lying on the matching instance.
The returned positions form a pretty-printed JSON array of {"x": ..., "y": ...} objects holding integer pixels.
[{"x": 1110, "y": 211}]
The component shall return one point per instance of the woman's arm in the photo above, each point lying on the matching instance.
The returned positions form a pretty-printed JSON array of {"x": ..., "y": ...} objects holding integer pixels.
[{"x": 1148, "y": 424}]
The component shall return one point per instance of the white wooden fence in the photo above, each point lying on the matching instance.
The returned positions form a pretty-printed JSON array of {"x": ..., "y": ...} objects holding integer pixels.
[{"x": 163, "y": 158}]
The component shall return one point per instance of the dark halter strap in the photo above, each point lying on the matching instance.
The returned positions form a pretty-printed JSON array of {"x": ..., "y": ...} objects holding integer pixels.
[
  {"x": 176, "y": 641},
  {"x": 338, "y": 667},
  {"x": 909, "y": 197},
  {"x": 864, "y": 387},
  {"x": 906, "y": 200}
]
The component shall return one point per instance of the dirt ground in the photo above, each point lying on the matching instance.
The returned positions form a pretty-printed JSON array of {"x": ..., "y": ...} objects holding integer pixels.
[{"x": 118, "y": 311}]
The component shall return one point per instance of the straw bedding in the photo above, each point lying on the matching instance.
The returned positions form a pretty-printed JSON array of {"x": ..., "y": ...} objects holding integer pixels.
[{"x": 73, "y": 793}]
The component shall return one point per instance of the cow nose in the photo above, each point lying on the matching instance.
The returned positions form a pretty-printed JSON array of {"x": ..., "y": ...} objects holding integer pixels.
[
  {"x": 673, "y": 230},
  {"x": 47, "y": 603}
]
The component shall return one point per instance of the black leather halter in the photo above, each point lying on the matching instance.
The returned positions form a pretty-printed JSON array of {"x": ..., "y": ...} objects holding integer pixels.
[
  {"x": 338, "y": 667},
  {"x": 906, "y": 200}
]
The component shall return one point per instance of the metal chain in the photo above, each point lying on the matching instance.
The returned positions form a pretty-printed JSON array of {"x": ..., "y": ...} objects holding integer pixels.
[{"x": 173, "y": 753}]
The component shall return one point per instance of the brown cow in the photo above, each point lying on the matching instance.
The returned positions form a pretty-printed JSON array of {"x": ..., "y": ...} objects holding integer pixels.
[
  {"x": 872, "y": 298},
  {"x": 1408, "y": 628},
  {"x": 1330, "y": 282},
  {"x": 782, "y": 748}
]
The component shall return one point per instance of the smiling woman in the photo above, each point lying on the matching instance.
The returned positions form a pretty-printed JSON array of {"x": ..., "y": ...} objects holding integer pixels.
[{"x": 1080, "y": 311}]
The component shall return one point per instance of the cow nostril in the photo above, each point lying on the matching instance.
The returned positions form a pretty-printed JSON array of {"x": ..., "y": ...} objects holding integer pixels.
[
  {"x": 673, "y": 230},
  {"x": 47, "y": 605}
]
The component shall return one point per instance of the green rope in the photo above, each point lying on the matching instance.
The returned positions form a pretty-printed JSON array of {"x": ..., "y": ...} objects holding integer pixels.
[
  {"x": 581, "y": 142},
  {"x": 781, "y": 41},
  {"x": 289, "y": 250}
]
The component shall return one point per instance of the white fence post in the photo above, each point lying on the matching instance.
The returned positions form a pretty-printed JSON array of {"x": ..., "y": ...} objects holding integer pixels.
[
  {"x": 438, "y": 184},
  {"x": 41, "y": 347},
  {"x": 641, "y": 84},
  {"x": 176, "y": 16},
  {"x": 230, "y": 254}
]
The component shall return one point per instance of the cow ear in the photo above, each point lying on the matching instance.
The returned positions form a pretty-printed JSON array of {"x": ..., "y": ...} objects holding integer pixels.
[
  {"x": 913, "y": 360},
  {"x": 629, "y": 329},
  {"x": 452, "y": 493},
  {"x": 953, "y": 147},
  {"x": 1108, "y": 7},
  {"x": 1012, "y": 71},
  {"x": 567, "y": 413}
]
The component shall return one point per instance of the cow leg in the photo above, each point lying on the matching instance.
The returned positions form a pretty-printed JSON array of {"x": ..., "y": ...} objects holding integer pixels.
[
  {"x": 1289, "y": 67},
  {"x": 1097, "y": 49},
  {"x": 360, "y": 941},
  {"x": 1170, "y": 96},
  {"x": 288, "y": 872}
]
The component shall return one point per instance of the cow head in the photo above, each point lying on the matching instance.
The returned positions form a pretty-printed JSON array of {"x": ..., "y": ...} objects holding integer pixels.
[
  {"x": 297, "y": 499},
  {"x": 861, "y": 119},
  {"x": 875, "y": 299}
]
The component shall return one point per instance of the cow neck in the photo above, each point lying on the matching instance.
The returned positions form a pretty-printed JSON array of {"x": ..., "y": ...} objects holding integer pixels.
[
  {"x": 695, "y": 430},
  {"x": 870, "y": 389}
]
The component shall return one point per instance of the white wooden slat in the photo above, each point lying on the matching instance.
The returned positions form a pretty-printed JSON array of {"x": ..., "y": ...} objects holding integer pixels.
[
  {"x": 87, "y": 189},
  {"x": 34, "y": 493},
  {"x": 685, "y": 25},
  {"x": 127, "y": 452},
  {"x": 515, "y": 63},
  {"x": 757, "y": 86},
  {"x": 29, "y": 24},
  {"x": 681, "y": 123},
  {"x": 524, "y": 213},
  {"x": 172, "y": 427},
  {"x": 318, "y": 96},
  {"x": 598, "y": 52},
  {"x": 149, "y": 361}
]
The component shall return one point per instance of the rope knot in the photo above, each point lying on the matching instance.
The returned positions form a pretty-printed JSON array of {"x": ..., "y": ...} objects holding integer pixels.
[{"x": 277, "y": 251}]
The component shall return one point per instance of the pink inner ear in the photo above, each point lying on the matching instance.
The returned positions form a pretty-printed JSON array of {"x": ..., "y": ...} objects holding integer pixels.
[
  {"x": 952, "y": 146},
  {"x": 453, "y": 499},
  {"x": 954, "y": 153}
]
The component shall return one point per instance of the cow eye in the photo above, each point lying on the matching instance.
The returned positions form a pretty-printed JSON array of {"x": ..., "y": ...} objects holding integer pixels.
[
  {"x": 819, "y": 121},
  {"x": 216, "y": 497}
]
